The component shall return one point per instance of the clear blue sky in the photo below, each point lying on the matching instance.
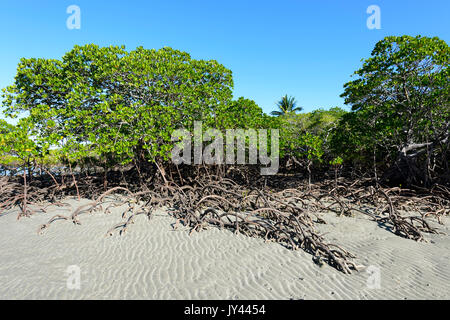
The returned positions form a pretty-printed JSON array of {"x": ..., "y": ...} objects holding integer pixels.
[{"x": 307, "y": 49}]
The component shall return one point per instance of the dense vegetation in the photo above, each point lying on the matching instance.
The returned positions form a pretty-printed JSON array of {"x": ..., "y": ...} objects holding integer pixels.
[
  {"x": 401, "y": 110},
  {"x": 118, "y": 107},
  {"x": 112, "y": 111}
]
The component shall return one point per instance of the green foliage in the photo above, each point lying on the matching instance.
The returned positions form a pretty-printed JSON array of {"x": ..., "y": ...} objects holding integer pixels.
[
  {"x": 337, "y": 161},
  {"x": 118, "y": 107},
  {"x": 286, "y": 105},
  {"x": 400, "y": 102},
  {"x": 16, "y": 141},
  {"x": 401, "y": 96},
  {"x": 311, "y": 146},
  {"x": 242, "y": 113},
  {"x": 298, "y": 129},
  {"x": 117, "y": 104},
  {"x": 298, "y": 142},
  {"x": 321, "y": 121}
]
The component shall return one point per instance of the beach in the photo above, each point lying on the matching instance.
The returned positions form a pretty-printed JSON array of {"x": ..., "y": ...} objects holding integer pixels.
[{"x": 154, "y": 261}]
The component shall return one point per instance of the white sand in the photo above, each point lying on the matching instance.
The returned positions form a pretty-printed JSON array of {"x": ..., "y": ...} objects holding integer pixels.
[{"x": 151, "y": 261}]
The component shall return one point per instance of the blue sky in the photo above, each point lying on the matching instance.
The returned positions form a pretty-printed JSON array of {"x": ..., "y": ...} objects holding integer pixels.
[{"x": 307, "y": 49}]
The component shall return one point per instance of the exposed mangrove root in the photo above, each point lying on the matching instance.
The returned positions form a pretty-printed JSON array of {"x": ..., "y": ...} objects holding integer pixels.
[{"x": 279, "y": 209}]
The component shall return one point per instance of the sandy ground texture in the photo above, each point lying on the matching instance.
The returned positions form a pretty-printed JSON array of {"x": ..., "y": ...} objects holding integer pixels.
[{"x": 153, "y": 261}]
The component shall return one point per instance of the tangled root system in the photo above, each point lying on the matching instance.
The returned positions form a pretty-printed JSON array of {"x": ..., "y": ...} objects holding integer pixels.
[{"x": 280, "y": 209}]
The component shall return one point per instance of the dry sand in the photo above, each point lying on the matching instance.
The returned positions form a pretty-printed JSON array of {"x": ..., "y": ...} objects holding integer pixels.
[{"x": 152, "y": 261}]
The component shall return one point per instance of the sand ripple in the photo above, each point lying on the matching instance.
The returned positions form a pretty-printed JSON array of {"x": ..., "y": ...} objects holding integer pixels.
[{"x": 152, "y": 261}]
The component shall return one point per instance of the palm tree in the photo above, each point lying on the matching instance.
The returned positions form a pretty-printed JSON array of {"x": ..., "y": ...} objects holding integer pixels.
[{"x": 286, "y": 105}]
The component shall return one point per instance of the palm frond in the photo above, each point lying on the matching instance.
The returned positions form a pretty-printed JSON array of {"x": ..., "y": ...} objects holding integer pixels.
[{"x": 286, "y": 105}]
